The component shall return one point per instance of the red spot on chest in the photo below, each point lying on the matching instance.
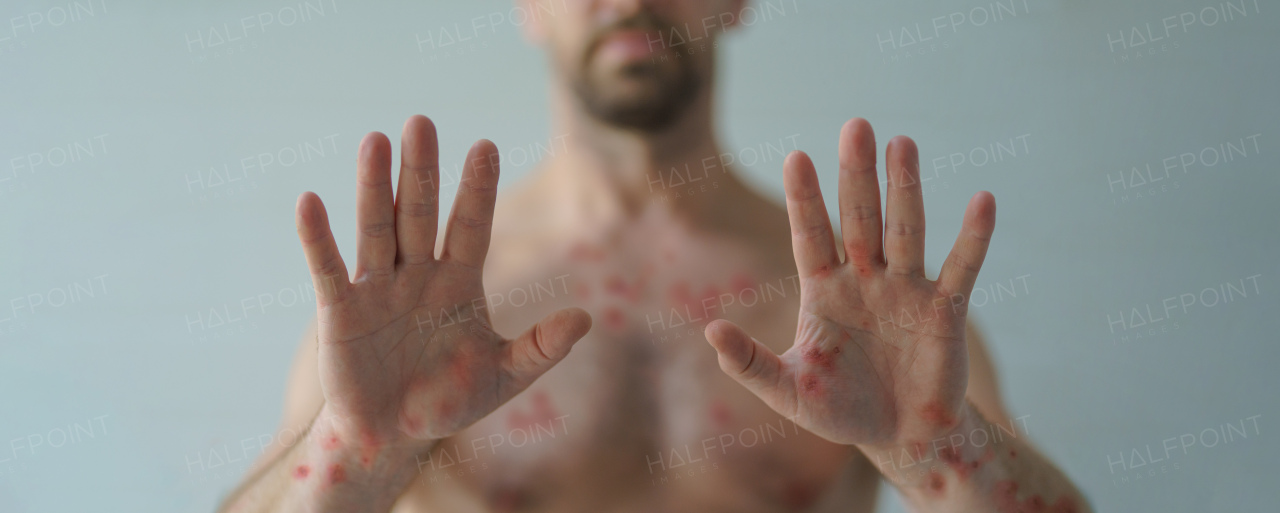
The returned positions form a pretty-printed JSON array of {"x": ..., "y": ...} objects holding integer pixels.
[
  {"x": 614, "y": 319},
  {"x": 330, "y": 442},
  {"x": 800, "y": 496},
  {"x": 721, "y": 415},
  {"x": 301, "y": 472}
]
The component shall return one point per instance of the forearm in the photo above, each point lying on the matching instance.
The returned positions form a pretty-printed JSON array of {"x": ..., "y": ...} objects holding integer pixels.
[
  {"x": 977, "y": 466},
  {"x": 325, "y": 472}
]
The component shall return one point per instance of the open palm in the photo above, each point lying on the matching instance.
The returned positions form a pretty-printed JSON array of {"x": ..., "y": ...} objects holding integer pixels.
[
  {"x": 406, "y": 347},
  {"x": 879, "y": 355}
]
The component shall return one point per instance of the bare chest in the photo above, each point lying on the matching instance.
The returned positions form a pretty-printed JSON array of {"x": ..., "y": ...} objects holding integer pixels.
[{"x": 639, "y": 415}]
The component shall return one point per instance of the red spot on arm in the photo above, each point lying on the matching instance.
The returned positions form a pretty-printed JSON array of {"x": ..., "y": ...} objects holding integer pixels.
[
  {"x": 337, "y": 474},
  {"x": 937, "y": 414},
  {"x": 937, "y": 484},
  {"x": 301, "y": 472}
]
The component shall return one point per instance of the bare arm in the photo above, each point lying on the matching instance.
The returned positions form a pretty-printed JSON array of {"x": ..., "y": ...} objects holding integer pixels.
[{"x": 881, "y": 359}]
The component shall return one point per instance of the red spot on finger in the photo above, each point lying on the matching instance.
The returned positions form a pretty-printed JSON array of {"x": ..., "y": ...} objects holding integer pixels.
[{"x": 301, "y": 472}]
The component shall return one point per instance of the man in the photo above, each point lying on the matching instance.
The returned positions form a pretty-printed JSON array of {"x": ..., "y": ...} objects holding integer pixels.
[{"x": 415, "y": 404}]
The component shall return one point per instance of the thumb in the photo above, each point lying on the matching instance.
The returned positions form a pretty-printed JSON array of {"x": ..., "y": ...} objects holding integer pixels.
[
  {"x": 745, "y": 359},
  {"x": 546, "y": 343}
]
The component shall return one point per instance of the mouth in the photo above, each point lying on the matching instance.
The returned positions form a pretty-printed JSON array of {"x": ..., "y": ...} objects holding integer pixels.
[{"x": 627, "y": 45}]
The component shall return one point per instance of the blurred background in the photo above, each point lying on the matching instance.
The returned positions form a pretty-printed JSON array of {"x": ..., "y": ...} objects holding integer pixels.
[{"x": 154, "y": 289}]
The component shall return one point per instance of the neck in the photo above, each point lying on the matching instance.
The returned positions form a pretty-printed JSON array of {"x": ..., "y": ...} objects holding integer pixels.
[{"x": 613, "y": 175}]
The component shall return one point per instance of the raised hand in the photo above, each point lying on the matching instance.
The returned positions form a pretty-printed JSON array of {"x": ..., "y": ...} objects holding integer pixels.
[
  {"x": 879, "y": 357},
  {"x": 407, "y": 354}
]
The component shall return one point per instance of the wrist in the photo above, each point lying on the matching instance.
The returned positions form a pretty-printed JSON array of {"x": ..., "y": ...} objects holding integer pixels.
[
  {"x": 344, "y": 450},
  {"x": 962, "y": 449}
]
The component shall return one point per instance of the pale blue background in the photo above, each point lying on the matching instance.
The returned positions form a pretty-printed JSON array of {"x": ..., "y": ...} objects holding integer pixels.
[{"x": 166, "y": 111}]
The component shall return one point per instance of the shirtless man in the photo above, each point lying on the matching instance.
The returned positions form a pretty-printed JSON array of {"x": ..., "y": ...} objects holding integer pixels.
[{"x": 861, "y": 368}]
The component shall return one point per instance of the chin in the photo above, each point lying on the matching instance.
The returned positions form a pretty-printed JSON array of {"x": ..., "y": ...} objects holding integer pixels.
[{"x": 640, "y": 97}]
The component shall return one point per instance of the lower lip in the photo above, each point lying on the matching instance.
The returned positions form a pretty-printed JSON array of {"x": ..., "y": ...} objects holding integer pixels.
[{"x": 630, "y": 45}]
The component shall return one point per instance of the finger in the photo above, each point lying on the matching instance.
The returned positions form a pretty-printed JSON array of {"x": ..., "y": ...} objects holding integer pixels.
[
  {"x": 904, "y": 214},
  {"x": 466, "y": 238},
  {"x": 417, "y": 196},
  {"x": 746, "y": 360},
  {"x": 812, "y": 240},
  {"x": 328, "y": 272},
  {"x": 545, "y": 344},
  {"x": 960, "y": 271},
  {"x": 860, "y": 223},
  {"x": 375, "y": 210}
]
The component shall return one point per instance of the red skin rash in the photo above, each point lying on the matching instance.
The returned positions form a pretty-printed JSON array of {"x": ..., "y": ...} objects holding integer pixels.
[
  {"x": 816, "y": 357},
  {"x": 1006, "y": 499},
  {"x": 937, "y": 484},
  {"x": 614, "y": 319},
  {"x": 951, "y": 457},
  {"x": 809, "y": 385},
  {"x": 301, "y": 472},
  {"x": 369, "y": 449},
  {"x": 800, "y": 496},
  {"x": 337, "y": 474},
  {"x": 721, "y": 415},
  {"x": 937, "y": 414},
  {"x": 329, "y": 443}
]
